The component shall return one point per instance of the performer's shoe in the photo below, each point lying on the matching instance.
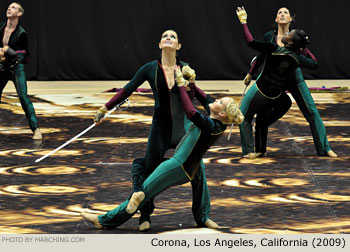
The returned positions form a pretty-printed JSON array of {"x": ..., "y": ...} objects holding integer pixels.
[
  {"x": 211, "y": 224},
  {"x": 261, "y": 154},
  {"x": 37, "y": 135},
  {"x": 331, "y": 153},
  {"x": 92, "y": 218},
  {"x": 134, "y": 202},
  {"x": 145, "y": 226},
  {"x": 251, "y": 155}
]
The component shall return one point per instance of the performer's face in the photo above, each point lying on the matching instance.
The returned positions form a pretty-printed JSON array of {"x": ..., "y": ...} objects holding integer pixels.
[
  {"x": 170, "y": 40},
  {"x": 13, "y": 11},
  {"x": 283, "y": 16},
  {"x": 219, "y": 105}
]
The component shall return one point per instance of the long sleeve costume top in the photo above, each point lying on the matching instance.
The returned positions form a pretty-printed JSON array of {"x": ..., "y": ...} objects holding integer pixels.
[
  {"x": 18, "y": 41},
  {"x": 271, "y": 36},
  {"x": 168, "y": 112},
  {"x": 202, "y": 134},
  {"x": 280, "y": 63}
]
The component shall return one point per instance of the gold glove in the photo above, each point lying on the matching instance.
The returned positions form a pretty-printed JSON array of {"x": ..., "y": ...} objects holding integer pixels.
[
  {"x": 180, "y": 78},
  {"x": 188, "y": 72},
  {"x": 100, "y": 113},
  {"x": 242, "y": 15},
  {"x": 247, "y": 79}
]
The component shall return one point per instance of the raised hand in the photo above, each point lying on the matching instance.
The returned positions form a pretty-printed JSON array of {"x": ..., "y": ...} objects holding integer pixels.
[
  {"x": 242, "y": 15},
  {"x": 188, "y": 72}
]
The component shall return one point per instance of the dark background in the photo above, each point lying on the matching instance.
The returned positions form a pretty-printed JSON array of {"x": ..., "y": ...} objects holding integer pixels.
[{"x": 111, "y": 39}]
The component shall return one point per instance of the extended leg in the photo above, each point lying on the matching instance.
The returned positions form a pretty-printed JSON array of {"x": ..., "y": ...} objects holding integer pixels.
[
  {"x": 4, "y": 77},
  {"x": 261, "y": 130},
  {"x": 303, "y": 98},
  {"x": 21, "y": 88},
  {"x": 252, "y": 103},
  {"x": 167, "y": 174}
]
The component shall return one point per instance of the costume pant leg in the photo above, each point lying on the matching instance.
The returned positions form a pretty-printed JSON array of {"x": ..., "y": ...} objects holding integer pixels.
[
  {"x": 279, "y": 111},
  {"x": 263, "y": 119},
  {"x": 303, "y": 98},
  {"x": 138, "y": 176},
  {"x": 261, "y": 129},
  {"x": 19, "y": 79},
  {"x": 252, "y": 103},
  {"x": 143, "y": 167},
  {"x": 168, "y": 173},
  {"x": 200, "y": 197},
  {"x": 4, "y": 77}
]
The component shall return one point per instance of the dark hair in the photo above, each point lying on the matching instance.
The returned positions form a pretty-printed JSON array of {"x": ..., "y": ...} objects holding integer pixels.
[
  {"x": 290, "y": 13},
  {"x": 300, "y": 39},
  {"x": 178, "y": 39}
]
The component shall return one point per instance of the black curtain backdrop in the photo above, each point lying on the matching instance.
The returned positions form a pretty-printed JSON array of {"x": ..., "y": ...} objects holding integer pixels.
[{"x": 111, "y": 39}]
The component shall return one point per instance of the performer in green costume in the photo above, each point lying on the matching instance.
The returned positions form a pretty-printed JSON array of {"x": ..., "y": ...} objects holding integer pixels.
[
  {"x": 186, "y": 162},
  {"x": 169, "y": 125},
  {"x": 14, "y": 36},
  {"x": 296, "y": 85},
  {"x": 267, "y": 95}
]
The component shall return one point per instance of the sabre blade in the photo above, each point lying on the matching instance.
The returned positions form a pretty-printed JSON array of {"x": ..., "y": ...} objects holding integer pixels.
[
  {"x": 81, "y": 133},
  {"x": 66, "y": 143}
]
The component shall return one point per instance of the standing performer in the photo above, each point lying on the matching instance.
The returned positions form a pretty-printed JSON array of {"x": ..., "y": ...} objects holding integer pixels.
[
  {"x": 169, "y": 125},
  {"x": 13, "y": 35},
  {"x": 296, "y": 85},
  {"x": 267, "y": 95},
  {"x": 186, "y": 162}
]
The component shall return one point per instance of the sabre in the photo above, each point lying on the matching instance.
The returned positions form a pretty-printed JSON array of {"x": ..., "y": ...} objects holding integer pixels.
[
  {"x": 239, "y": 105},
  {"x": 82, "y": 133}
]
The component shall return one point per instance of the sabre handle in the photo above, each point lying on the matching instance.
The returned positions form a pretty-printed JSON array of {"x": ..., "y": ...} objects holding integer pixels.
[{"x": 117, "y": 107}]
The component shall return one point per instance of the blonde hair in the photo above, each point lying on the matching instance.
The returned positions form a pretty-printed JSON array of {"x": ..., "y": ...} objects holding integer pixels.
[
  {"x": 233, "y": 113},
  {"x": 20, "y": 8}
]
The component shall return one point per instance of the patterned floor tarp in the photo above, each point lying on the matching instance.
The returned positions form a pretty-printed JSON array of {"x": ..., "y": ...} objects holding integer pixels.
[{"x": 292, "y": 190}]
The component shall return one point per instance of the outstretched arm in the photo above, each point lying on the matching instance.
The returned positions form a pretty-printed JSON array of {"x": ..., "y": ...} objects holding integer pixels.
[
  {"x": 307, "y": 62},
  {"x": 194, "y": 115},
  {"x": 124, "y": 93},
  {"x": 194, "y": 90},
  {"x": 258, "y": 45},
  {"x": 201, "y": 96},
  {"x": 201, "y": 121}
]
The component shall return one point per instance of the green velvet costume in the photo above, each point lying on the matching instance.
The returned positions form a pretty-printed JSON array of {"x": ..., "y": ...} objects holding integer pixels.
[
  {"x": 267, "y": 96},
  {"x": 19, "y": 42},
  {"x": 169, "y": 125},
  {"x": 296, "y": 85},
  {"x": 179, "y": 169}
]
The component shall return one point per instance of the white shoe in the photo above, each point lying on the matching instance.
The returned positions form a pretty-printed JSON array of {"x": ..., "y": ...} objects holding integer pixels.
[
  {"x": 211, "y": 224},
  {"x": 251, "y": 155},
  {"x": 134, "y": 202},
  {"x": 145, "y": 226},
  {"x": 37, "y": 135},
  {"x": 92, "y": 218},
  {"x": 331, "y": 153}
]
